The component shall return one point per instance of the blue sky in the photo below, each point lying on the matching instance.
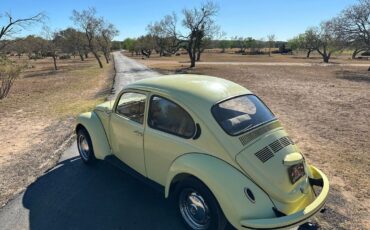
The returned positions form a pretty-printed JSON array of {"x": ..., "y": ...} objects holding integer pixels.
[{"x": 255, "y": 18}]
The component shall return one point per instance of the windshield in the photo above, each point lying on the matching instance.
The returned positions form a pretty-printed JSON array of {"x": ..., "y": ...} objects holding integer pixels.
[{"x": 240, "y": 114}]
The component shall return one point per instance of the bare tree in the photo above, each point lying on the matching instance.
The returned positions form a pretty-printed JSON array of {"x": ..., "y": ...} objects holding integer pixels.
[
  {"x": 8, "y": 71},
  {"x": 13, "y": 26},
  {"x": 90, "y": 24},
  {"x": 271, "y": 42},
  {"x": 200, "y": 24},
  {"x": 53, "y": 39},
  {"x": 107, "y": 32},
  {"x": 328, "y": 41},
  {"x": 165, "y": 35},
  {"x": 354, "y": 25}
]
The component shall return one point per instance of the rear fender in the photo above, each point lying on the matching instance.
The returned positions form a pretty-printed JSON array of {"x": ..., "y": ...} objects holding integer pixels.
[
  {"x": 91, "y": 122},
  {"x": 227, "y": 185}
]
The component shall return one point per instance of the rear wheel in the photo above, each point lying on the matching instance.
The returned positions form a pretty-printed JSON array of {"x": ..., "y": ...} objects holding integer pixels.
[
  {"x": 84, "y": 146},
  {"x": 198, "y": 207}
]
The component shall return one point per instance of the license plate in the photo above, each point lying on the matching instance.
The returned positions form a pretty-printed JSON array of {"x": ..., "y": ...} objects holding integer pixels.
[{"x": 296, "y": 172}]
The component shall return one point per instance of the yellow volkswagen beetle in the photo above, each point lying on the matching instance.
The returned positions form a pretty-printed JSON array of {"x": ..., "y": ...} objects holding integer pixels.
[{"x": 210, "y": 144}]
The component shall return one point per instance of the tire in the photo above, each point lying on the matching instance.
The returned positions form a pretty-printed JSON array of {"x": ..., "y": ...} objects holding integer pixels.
[
  {"x": 85, "y": 147},
  {"x": 197, "y": 206}
]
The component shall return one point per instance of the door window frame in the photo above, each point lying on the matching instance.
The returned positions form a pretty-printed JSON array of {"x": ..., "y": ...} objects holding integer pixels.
[
  {"x": 145, "y": 93},
  {"x": 166, "y": 131}
]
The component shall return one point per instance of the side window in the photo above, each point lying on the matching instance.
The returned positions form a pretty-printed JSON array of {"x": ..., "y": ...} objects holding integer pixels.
[
  {"x": 169, "y": 117},
  {"x": 132, "y": 106}
]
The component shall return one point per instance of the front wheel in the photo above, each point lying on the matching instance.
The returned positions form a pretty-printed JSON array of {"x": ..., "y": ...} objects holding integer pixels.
[
  {"x": 84, "y": 146},
  {"x": 198, "y": 207}
]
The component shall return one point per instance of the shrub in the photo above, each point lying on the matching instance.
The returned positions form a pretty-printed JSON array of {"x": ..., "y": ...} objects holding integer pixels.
[
  {"x": 8, "y": 73},
  {"x": 65, "y": 56}
]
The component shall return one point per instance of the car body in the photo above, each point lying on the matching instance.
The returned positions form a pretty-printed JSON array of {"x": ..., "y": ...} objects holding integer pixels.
[{"x": 221, "y": 135}]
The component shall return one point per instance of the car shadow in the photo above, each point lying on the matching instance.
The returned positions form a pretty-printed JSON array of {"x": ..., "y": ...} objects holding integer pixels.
[{"x": 75, "y": 196}]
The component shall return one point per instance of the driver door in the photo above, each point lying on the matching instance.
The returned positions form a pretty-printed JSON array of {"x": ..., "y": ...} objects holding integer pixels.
[{"x": 127, "y": 129}]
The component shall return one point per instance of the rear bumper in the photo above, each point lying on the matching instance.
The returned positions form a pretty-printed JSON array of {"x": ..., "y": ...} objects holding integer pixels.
[{"x": 298, "y": 217}]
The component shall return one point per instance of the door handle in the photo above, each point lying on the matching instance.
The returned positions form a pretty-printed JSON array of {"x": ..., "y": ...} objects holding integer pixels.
[{"x": 137, "y": 132}]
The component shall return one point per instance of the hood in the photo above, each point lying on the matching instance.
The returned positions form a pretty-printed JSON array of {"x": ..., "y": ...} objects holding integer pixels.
[{"x": 267, "y": 160}]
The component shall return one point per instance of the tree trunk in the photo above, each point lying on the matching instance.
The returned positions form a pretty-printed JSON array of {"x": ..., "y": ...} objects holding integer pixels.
[
  {"x": 198, "y": 55},
  {"x": 97, "y": 58},
  {"x": 308, "y": 53},
  {"x": 192, "y": 58},
  {"x": 192, "y": 62},
  {"x": 106, "y": 57},
  {"x": 269, "y": 51},
  {"x": 87, "y": 54},
  {"x": 55, "y": 62},
  {"x": 355, "y": 52},
  {"x": 326, "y": 57}
]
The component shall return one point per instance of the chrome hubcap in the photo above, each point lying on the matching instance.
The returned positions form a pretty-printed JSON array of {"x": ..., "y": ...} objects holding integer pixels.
[
  {"x": 83, "y": 147},
  {"x": 194, "y": 209}
]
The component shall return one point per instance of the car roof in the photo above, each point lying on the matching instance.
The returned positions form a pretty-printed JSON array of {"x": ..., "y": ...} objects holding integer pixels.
[{"x": 201, "y": 89}]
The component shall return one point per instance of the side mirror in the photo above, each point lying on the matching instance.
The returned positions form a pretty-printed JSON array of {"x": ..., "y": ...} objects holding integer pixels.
[{"x": 198, "y": 131}]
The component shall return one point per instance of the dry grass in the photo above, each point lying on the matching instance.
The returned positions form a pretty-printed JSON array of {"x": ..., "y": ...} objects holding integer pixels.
[
  {"x": 326, "y": 111},
  {"x": 39, "y": 114},
  {"x": 212, "y": 56}
]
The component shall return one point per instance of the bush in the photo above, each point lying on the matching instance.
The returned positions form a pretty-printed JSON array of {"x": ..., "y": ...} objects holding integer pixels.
[
  {"x": 8, "y": 73},
  {"x": 65, "y": 56},
  {"x": 366, "y": 53}
]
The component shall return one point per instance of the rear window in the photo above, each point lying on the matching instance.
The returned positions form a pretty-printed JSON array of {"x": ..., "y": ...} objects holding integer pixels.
[{"x": 240, "y": 114}]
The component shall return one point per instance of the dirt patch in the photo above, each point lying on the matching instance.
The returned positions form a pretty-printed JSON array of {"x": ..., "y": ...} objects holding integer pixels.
[
  {"x": 39, "y": 115},
  {"x": 326, "y": 111}
]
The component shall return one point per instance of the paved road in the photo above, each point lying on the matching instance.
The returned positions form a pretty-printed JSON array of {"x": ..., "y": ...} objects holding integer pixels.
[{"x": 74, "y": 196}]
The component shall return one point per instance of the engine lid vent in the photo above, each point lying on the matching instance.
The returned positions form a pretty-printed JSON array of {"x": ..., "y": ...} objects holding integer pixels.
[
  {"x": 264, "y": 154},
  {"x": 268, "y": 152}
]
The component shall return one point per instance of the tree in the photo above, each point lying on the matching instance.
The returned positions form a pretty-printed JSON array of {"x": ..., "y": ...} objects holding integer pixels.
[
  {"x": 244, "y": 43},
  {"x": 53, "y": 40},
  {"x": 90, "y": 24},
  {"x": 225, "y": 44},
  {"x": 165, "y": 35},
  {"x": 327, "y": 40},
  {"x": 36, "y": 47},
  {"x": 200, "y": 24},
  {"x": 145, "y": 45},
  {"x": 107, "y": 32},
  {"x": 354, "y": 25},
  {"x": 271, "y": 42},
  {"x": 8, "y": 71},
  {"x": 306, "y": 41},
  {"x": 13, "y": 26},
  {"x": 74, "y": 42},
  {"x": 130, "y": 44}
]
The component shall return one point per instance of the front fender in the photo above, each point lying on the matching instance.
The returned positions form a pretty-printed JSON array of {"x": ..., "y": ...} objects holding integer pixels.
[
  {"x": 227, "y": 185},
  {"x": 97, "y": 133}
]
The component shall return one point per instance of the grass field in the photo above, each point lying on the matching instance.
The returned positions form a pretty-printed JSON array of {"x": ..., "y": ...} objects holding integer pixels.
[
  {"x": 39, "y": 114},
  {"x": 326, "y": 111}
]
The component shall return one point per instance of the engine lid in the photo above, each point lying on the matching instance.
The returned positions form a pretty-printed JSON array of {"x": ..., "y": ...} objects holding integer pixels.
[{"x": 277, "y": 166}]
